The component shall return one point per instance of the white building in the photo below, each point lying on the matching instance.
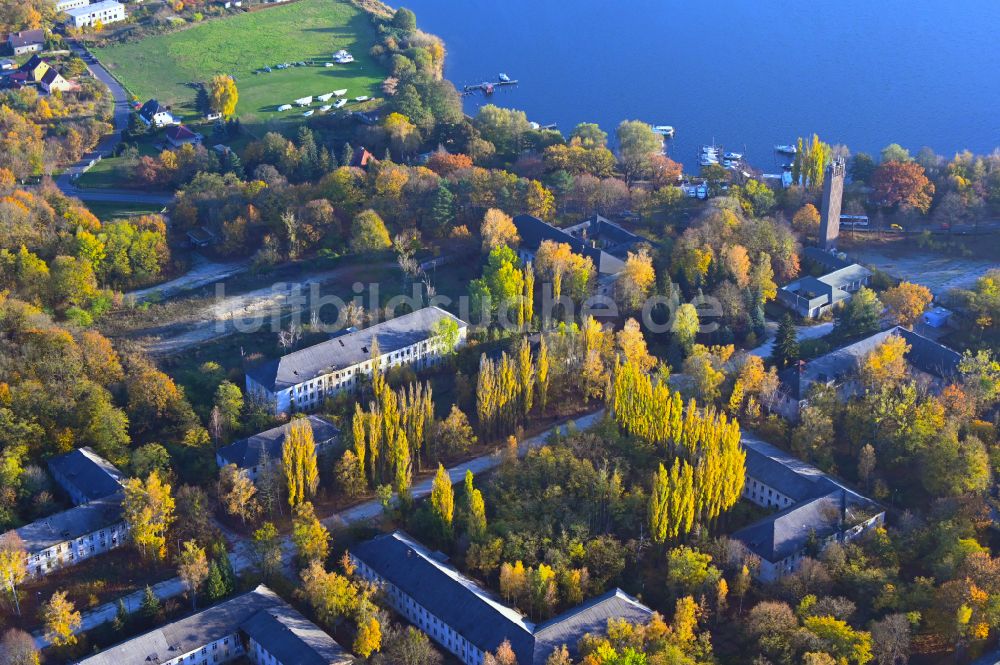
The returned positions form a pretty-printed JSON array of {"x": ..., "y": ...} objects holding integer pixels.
[
  {"x": 301, "y": 380},
  {"x": 67, "y": 538},
  {"x": 63, "y": 5},
  {"x": 813, "y": 510},
  {"x": 105, "y": 12},
  {"x": 467, "y": 620},
  {"x": 258, "y": 626}
]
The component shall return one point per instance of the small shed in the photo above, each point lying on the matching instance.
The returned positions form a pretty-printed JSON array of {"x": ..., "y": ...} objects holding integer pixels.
[{"x": 937, "y": 317}]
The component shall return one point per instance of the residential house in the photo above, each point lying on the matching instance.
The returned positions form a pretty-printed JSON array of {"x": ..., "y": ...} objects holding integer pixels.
[
  {"x": 246, "y": 453},
  {"x": 302, "y": 379},
  {"x": 362, "y": 158},
  {"x": 74, "y": 535},
  {"x": 603, "y": 242},
  {"x": 810, "y": 297},
  {"x": 931, "y": 363},
  {"x": 179, "y": 135},
  {"x": 257, "y": 626},
  {"x": 85, "y": 476},
  {"x": 52, "y": 81},
  {"x": 813, "y": 510},
  {"x": 26, "y": 41},
  {"x": 103, "y": 12},
  {"x": 467, "y": 620},
  {"x": 63, "y": 5},
  {"x": 152, "y": 114},
  {"x": 35, "y": 68}
]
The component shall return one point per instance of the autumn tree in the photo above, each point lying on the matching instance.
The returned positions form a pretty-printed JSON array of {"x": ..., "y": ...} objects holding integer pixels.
[
  {"x": 902, "y": 183},
  {"x": 13, "y": 565},
  {"x": 885, "y": 365},
  {"x": 298, "y": 462},
  {"x": 475, "y": 510},
  {"x": 265, "y": 550},
  {"x": 368, "y": 638},
  {"x": 443, "y": 498},
  {"x": 806, "y": 220},
  {"x": 906, "y": 302},
  {"x": 60, "y": 620},
  {"x": 310, "y": 537},
  {"x": 637, "y": 145},
  {"x": 636, "y": 279},
  {"x": 369, "y": 233},
  {"x": 192, "y": 568},
  {"x": 223, "y": 95},
  {"x": 686, "y": 325},
  {"x": 498, "y": 229},
  {"x": 148, "y": 511},
  {"x": 237, "y": 492},
  {"x": 18, "y": 648}
]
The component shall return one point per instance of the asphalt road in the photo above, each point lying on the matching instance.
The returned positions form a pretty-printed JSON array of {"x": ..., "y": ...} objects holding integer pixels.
[
  {"x": 364, "y": 512},
  {"x": 106, "y": 147}
]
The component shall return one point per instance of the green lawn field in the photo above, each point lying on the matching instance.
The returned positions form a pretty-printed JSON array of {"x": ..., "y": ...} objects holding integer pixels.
[{"x": 170, "y": 67}]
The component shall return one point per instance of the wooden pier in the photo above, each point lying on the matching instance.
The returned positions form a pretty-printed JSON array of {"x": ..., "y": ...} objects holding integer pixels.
[{"x": 486, "y": 88}]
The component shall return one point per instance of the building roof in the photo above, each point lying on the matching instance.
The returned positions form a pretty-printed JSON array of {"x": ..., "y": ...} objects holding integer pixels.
[
  {"x": 245, "y": 453},
  {"x": 925, "y": 355},
  {"x": 589, "y": 617},
  {"x": 291, "y": 638},
  {"x": 854, "y": 272},
  {"x": 821, "y": 503},
  {"x": 348, "y": 350},
  {"x": 456, "y": 600},
  {"x": 180, "y": 133},
  {"x": 73, "y": 523},
  {"x": 150, "y": 109},
  {"x": 478, "y": 615},
  {"x": 828, "y": 260},
  {"x": 85, "y": 473},
  {"x": 33, "y": 62},
  {"x": 26, "y": 38},
  {"x": 534, "y": 232},
  {"x": 51, "y": 76},
  {"x": 283, "y": 626},
  {"x": 93, "y": 8}
]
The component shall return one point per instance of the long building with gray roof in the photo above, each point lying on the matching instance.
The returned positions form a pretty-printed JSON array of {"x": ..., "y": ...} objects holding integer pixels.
[
  {"x": 301, "y": 380},
  {"x": 466, "y": 619},
  {"x": 257, "y": 625},
  {"x": 85, "y": 475},
  {"x": 812, "y": 508},
  {"x": 67, "y": 538}
]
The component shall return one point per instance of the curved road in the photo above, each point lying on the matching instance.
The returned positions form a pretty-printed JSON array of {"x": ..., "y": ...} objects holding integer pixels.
[
  {"x": 106, "y": 147},
  {"x": 363, "y": 512}
]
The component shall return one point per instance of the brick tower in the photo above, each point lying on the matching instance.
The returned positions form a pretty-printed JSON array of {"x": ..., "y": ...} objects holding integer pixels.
[{"x": 833, "y": 193}]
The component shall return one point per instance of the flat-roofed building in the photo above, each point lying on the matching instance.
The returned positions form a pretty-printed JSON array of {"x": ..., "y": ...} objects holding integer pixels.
[{"x": 103, "y": 12}]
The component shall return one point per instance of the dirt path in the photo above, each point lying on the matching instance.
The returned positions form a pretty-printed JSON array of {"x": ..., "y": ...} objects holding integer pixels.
[
  {"x": 237, "y": 313},
  {"x": 201, "y": 273}
]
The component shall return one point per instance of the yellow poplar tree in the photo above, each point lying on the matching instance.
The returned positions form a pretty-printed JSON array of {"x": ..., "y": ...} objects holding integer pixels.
[
  {"x": 223, "y": 95},
  {"x": 443, "y": 497},
  {"x": 298, "y": 461}
]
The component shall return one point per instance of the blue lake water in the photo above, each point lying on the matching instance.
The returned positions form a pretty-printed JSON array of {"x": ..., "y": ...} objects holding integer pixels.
[{"x": 748, "y": 74}]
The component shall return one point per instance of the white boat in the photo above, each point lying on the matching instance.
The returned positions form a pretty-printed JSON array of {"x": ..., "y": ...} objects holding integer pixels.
[
  {"x": 308, "y": 113},
  {"x": 362, "y": 98},
  {"x": 285, "y": 107},
  {"x": 304, "y": 101},
  {"x": 664, "y": 130},
  {"x": 325, "y": 98},
  {"x": 504, "y": 78},
  {"x": 328, "y": 64},
  {"x": 339, "y": 103},
  {"x": 340, "y": 93},
  {"x": 786, "y": 149},
  {"x": 735, "y": 156},
  {"x": 325, "y": 108}
]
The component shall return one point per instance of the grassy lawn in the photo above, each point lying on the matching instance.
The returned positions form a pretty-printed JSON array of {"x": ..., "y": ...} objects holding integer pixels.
[
  {"x": 170, "y": 67},
  {"x": 108, "y": 211}
]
